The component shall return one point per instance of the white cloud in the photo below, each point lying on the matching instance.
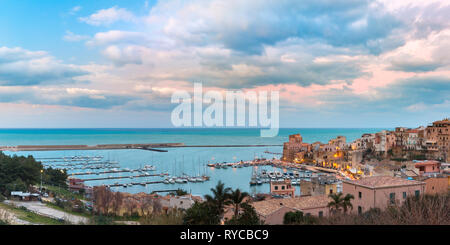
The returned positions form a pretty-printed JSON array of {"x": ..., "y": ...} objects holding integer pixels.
[
  {"x": 72, "y": 37},
  {"x": 109, "y": 16},
  {"x": 74, "y": 10}
]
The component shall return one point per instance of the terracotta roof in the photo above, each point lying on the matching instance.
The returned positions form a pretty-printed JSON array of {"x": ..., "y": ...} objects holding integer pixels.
[
  {"x": 425, "y": 163},
  {"x": 267, "y": 207},
  {"x": 383, "y": 181}
]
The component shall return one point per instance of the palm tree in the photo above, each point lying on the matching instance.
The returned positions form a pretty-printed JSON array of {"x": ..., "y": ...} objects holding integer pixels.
[
  {"x": 347, "y": 202},
  {"x": 219, "y": 198},
  {"x": 236, "y": 197},
  {"x": 338, "y": 202}
]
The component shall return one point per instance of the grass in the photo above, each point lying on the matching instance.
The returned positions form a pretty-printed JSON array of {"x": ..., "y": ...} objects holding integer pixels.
[
  {"x": 31, "y": 217},
  {"x": 64, "y": 192}
]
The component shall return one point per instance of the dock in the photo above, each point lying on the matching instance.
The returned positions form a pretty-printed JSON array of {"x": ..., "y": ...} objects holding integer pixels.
[{"x": 126, "y": 177}]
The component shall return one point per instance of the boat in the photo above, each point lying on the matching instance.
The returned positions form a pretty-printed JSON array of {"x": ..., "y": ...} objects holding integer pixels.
[
  {"x": 278, "y": 175},
  {"x": 211, "y": 165},
  {"x": 259, "y": 182},
  {"x": 171, "y": 181}
]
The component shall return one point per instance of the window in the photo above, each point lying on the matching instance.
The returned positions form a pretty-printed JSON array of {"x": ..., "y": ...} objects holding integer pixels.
[
  {"x": 359, "y": 195},
  {"x": 282, "y": 187},
  {"x": 404, "y": 195},
  {"x": 276, "y": 187},
  {"x": 359, "y": 210},
  {"x": 392, "y": 198},
  {"x": 417, "y": 193},
  {"x": 320, "y": 213},
  {"x": 331, "y": 191}
]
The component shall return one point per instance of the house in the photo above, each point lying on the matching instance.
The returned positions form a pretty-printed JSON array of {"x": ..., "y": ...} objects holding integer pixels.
[
  {"x": 429, "y": 167},
  {"x": 272, "y": 211},
  {"x": 380, "y": 191},
  {"x": 24, "y": 196},
  {"x": 282, "y": 188},
  {"x": 435, "y": 185}
]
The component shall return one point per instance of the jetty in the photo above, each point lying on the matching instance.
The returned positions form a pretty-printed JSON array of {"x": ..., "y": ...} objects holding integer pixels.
[
  {"x": 125, "y": 177},
  {"x": 159, "y": 147}
]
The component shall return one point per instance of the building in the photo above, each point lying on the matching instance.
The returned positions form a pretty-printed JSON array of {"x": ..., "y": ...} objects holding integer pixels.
[
  {"x": 179, "y": 202},
  {"x": 24, "y": 196},
  {"x": 435, "y": 185},
  {"x": 438, "y": 135},
  {"x": 428, "y": 167},
  {"x": 294, "y": 145},
  {"x": 272, "y": 211},
  {"x": 381, "y": 191},
  {"x": 78, "y": 186},
  {"x": 282, "y": 188},
  {"x": 318, "y": 186}
]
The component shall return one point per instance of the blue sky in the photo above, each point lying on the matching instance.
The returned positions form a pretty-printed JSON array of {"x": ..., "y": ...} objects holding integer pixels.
[{"x": 341, "y": 63}]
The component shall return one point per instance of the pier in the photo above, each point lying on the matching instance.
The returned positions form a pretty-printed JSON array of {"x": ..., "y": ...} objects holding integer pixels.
[
  {"x": 149, "y": 147},
  {"x": 126, "y": 177}
]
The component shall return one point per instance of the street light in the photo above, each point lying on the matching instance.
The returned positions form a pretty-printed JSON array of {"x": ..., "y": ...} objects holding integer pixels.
[{"x": 40, "y": 189}]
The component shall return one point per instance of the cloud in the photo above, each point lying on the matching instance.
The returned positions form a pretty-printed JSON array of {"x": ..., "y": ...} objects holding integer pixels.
[
  {"x": 74, "y": 10},
  {"x": 22, "y": 67},
  {"x": 108, "y": 16},
  {"x": 117, "y": 37},
  {"x": 414, "y": 65},
  {"x": 248, "y": 26},
  {"x": 72, "y": 37},
  {"x": 76, "y": 97}
]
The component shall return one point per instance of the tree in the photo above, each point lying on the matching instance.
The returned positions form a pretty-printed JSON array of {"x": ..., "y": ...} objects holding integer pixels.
[
  {"x": 338, "y": 202},
  {"x": 347, "y": 202},
  {"x": 201, "y": 214},
  {"x": 293, "y": 218},
  {"x": 179, "y": 192},
  {"x": 247, "y": 217},
  {"x": 219, "y": 198},
  {"x": 236, "y": 197}
]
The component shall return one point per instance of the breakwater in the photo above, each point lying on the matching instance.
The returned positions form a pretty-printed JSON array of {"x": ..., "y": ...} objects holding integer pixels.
[{"x": 151, "y": 147}]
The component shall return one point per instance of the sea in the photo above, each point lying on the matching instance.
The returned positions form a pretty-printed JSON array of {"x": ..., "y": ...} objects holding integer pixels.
[{"x": 177, "y": 161}]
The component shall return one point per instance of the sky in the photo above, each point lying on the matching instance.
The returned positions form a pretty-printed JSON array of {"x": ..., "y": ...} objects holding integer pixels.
[{"x": 115, "y": 64}]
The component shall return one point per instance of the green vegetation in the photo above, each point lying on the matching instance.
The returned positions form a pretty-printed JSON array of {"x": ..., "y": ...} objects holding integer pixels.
[
  {"x": 201, "y": 214},
  {"x": 247, "y": 217},
  {"x": 101, "y": 220},
  {"x": 19, "y": 173},
  {"x": 211, "y": 211},
  {"x": 236, "y": 197},
  {"x": 340, "y": 202},
  {"x": 179, "y": 192},
  {"x": 26, "y": 215},
  {"x": 297, "y": 218}
]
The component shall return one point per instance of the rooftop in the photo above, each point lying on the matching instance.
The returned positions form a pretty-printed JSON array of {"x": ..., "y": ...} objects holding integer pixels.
[
  {"x": 383, "y": 181},
  {"x": 267, "y": 207},
  {"x": 426, "y": 163}
]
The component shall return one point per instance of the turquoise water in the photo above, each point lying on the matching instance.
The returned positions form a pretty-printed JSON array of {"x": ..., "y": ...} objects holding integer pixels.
[{"x": 178, "y": 160}]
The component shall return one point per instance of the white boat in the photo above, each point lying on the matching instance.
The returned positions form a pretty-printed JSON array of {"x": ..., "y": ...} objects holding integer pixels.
[{"x": 278, "y": 175}]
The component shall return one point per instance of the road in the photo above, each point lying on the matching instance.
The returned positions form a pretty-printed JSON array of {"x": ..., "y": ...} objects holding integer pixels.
[{"x": 44, "y": 210}]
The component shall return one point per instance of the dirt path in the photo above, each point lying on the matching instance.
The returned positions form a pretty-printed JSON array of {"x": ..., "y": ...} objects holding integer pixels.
[{"x": 42, "y": 209}]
